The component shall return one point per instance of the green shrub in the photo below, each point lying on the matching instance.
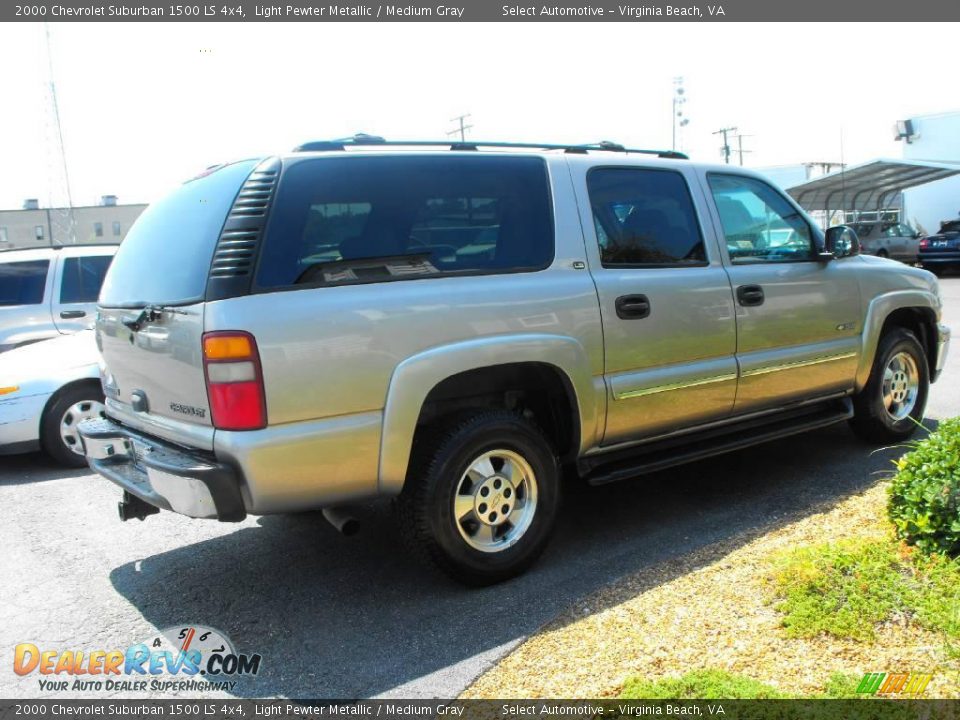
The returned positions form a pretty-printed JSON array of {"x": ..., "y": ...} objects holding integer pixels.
[
  {"x": 845, "y": 589},
  {"x": 707, "y": 684},
  {"x": 925, "y": 494}
]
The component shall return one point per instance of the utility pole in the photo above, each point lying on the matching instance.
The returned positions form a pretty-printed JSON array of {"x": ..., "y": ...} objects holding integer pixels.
[
  {"x": 725, "y": 150},
  {"x": 462, "y": 130},
  {"x": 740, "y": 150}
]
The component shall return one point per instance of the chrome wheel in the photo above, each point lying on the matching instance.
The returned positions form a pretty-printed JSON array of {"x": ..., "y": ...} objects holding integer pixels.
[
  {"x": 495, "y": 501},
  {"x": 75, "y": 414},
  {"x": 901, "y": 384}
]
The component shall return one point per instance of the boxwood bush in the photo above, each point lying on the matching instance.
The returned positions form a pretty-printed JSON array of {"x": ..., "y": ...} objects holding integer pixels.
[{"x": 925, "y": 493}]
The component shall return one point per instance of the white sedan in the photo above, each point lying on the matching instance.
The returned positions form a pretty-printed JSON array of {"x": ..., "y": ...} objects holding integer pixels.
[{"x": 46, "y": 389}]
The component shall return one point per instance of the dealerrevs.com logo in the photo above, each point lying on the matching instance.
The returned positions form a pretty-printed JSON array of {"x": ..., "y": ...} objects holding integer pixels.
[{"x": 186, "y": 658}]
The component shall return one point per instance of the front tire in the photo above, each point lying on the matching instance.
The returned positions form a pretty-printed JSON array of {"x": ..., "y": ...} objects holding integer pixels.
[
  {"x": 58, "y": 428},
  {"x": 890, "y": 407},
  {"x": 481, "y": 496}
]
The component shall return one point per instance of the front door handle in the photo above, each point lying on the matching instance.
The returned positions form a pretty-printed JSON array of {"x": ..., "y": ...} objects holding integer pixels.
[
  {"x": 750, "y": 295},
  {"x": 72, "y": 314},
  {"x": 632, "y": 307}
]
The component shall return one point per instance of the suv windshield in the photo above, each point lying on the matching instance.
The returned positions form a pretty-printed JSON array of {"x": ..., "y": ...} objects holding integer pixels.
[{"x": 165, "y": 258}]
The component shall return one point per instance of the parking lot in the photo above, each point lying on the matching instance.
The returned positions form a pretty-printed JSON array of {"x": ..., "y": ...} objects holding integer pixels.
[{"x": 354, "y": 617}]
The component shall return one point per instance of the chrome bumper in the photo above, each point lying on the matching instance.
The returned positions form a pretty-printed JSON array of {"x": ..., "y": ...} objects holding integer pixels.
[
  {"x": 943, "y": 347},
  {"x": 161, "y": 474}
]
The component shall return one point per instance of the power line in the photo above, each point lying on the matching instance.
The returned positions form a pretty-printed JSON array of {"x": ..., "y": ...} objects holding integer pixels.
[
  {"x": 725, "y": 150},
  {"x": 462, "y": 130}
]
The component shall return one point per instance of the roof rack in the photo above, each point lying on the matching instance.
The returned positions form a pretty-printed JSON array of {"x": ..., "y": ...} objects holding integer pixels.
[
  {"x": 364, "y": 140},
  {"x": 58, "y": 247}
]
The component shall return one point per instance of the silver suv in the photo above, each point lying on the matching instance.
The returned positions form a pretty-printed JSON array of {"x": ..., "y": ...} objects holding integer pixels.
[{"x": 449, "y": 326}]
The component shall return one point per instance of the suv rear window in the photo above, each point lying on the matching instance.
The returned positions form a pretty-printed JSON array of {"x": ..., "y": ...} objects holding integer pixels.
[
  {"x": 369, "y": 219},
  {"x": 165, "y": 258},
  {"x": 22, "y": 283}
]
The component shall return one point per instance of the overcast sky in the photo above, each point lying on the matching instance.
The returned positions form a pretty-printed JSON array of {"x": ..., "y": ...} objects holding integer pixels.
[{"x": 146, "y": 105}]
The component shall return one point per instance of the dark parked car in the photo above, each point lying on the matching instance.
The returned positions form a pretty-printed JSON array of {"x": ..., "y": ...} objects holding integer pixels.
[{"x": 942, "y": 251}]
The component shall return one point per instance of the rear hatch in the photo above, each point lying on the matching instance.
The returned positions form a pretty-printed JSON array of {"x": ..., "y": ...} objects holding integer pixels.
[{"x": 151, "y": 310}]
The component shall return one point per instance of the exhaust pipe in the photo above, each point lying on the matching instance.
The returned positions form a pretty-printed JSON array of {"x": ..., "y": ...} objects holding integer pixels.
[
  {"x": 133, "y": 507},
  {"x": 345, "y": 523}
]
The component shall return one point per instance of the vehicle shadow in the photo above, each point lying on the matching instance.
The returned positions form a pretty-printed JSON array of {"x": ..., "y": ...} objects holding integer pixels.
[
  {"x": 355, "y": 617},
  {"x": 34, "y": 468}
]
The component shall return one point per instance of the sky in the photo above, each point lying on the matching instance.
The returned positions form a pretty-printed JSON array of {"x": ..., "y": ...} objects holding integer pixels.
[{"x": 144, "y": 106}]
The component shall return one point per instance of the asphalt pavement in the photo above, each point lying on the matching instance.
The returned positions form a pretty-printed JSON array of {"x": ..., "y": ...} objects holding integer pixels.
[{"x": 338, "y": 617}]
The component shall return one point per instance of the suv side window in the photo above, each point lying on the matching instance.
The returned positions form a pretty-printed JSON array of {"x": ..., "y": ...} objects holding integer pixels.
[
  {"x": 22, "y": 283},
  {"x": 344, "y": 220},
  {"x": 758, "y": 222},
  {"x": 644, "y": 218},
  {"x": 82, "y": 278}
]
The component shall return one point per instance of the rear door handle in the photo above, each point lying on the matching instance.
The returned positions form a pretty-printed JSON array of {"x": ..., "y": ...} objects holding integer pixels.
[
  {"x": 632, "y": 307},
  {"x": 750, "y": 295},
  {"x": 72, "y": 314}
]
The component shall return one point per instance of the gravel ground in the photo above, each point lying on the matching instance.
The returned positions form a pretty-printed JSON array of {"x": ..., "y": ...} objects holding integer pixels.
[{"x": 713, "y": 609}]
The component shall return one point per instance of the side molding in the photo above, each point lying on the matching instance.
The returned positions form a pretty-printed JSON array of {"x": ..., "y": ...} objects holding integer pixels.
[
  {"x": 877, "y": 312},
  {"x": 416, "y": 376}
]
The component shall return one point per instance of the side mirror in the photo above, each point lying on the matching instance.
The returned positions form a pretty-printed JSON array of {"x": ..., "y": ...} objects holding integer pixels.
[{"x": 841, "y": 241}]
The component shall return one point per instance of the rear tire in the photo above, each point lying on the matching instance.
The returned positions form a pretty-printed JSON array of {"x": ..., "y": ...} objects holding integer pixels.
[
  {"x": 481, "y": 496},
  {"x": 58, "y": 428},
  {"x": 890, "y": 407},
  {"x": 882, "y": 254}
]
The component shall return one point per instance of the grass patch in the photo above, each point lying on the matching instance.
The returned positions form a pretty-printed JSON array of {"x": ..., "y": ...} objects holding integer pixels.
[
  {"x": 704, "y": 684},
  {"x": 845, "y": 589}
]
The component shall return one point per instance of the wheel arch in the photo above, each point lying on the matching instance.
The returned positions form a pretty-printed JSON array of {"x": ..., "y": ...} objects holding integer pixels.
[
  {"x": 422, "y": 384},
  {"x": 916, "y": 311}
]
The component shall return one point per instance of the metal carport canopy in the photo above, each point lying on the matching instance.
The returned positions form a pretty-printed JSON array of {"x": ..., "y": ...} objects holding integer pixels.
[{"x": 868, "y": 185}]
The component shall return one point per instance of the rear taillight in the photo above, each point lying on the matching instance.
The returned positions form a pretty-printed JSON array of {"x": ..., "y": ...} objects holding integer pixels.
[
  {"x": 231, "y": 365},
  {"x": 925, "y": 243}
]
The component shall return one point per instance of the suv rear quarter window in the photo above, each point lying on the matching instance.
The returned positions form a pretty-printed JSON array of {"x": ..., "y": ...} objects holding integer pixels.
[
  {"x": 346, "y": 220},
  {"x": 22, "y": 283}
]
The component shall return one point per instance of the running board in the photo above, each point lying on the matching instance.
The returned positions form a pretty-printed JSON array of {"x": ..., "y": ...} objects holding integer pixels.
[{"x": 625, "y": 464}]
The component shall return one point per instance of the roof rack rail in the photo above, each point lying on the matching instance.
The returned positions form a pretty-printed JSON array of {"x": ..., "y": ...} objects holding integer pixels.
[
  {"x": 362, "y": 140},
  {"x": 58, "y": 247}
]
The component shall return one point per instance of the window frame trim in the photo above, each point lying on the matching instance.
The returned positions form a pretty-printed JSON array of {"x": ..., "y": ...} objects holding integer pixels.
[{"x": 649, "y": 266}]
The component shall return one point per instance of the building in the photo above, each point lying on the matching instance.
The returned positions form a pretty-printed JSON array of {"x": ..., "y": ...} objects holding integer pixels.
[
  {"x": 34, "y": 226},
  {"x": 932, "y": 138},
  {"x": 922, "y": 188}
]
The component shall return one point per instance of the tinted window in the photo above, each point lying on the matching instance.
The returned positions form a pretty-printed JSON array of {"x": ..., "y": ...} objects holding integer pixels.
[
  {"x": 22, "y": 283},
  {"x": 165, "y": 257},
  {"x": 82, "y": 278},
  {"x": 343, "y": 220},
  {"x": 758, "y": 222},
  {"x": 644, "y": 217}
]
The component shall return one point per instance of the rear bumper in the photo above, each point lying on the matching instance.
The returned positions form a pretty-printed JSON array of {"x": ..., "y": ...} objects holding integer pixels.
[
  {"x": 943, "y": 258},
  {"x": 161, "y": 474},
  {"x": 943, "y": 347}
]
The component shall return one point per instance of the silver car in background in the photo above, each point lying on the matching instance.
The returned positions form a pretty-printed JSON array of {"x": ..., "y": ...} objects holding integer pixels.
[
  {"x": 49, "y": 291},
  {"x": 894, "y": 240}
]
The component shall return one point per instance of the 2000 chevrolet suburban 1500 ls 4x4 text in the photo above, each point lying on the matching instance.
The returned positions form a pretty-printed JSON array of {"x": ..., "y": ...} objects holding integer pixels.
[{"x": 449, "y": 326}]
